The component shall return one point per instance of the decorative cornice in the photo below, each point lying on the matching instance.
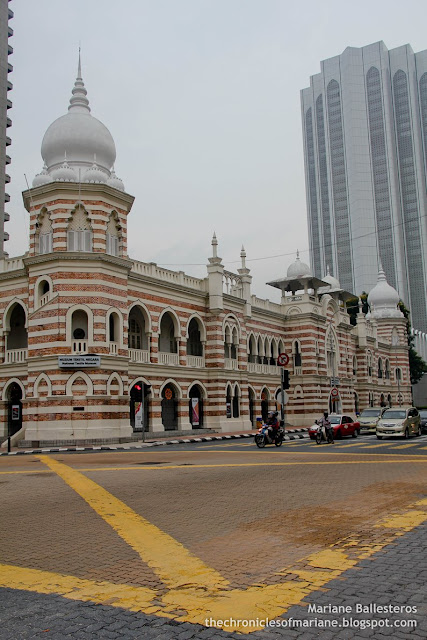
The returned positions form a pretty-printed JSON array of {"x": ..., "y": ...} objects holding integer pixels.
[
  {"x": 75, "y": 188},
  {"x": 58, "y": 256}
]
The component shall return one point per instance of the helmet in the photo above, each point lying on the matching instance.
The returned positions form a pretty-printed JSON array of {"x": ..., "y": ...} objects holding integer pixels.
[{"x": 271, "y": 414}]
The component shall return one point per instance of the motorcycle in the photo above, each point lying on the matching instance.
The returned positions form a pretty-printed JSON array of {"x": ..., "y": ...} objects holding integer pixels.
[
  {"x": 263, "y": 437},
  {"x": 320, "y": 437}
]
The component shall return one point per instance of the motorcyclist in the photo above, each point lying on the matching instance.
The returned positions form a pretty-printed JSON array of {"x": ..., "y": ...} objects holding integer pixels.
[
  {"x": 273, "y": 424},
  {"x": 325, "y": 424}
]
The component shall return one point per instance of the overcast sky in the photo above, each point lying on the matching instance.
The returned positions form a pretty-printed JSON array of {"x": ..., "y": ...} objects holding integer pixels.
[{"x": 202, "y": 100}]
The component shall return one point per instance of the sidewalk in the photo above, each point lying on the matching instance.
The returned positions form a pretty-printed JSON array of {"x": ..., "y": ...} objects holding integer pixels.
[{"x": 291, "y": 434}]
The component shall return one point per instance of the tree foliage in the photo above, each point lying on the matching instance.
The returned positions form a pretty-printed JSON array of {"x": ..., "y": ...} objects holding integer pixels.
[{"x": 417, "y": 366}]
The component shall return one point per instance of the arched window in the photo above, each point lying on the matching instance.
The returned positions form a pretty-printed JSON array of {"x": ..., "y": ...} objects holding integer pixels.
[
  {"x": 331, "y": 357},
  {"x": 296, "y": 352},
  {"x": 79, "y": 331},
  {"x": 167, "y": 340},
  {"x": 354, "y": 365},
  {"x": 264, "y": 404},
  {"x": 137, "y": 332},
  {"x": 194, "y": 343},
  {"x": 44, "y": 233},
  {"x": 170, "y": 408},
  {"x": 114, "y": 333},
  {"x": 387, "y": 370},
  {"x": 17, "y": 336},
  {"x": 42, "y": 293},
  {"x": 234, "y": 344},
  {"x": 113, "y": 235},
  {"x": 252, "y": 349},
  {"x": 79, "y": 234},
  {"x": 369, "y": 364},
  {"x": 251, "y": 405},
  {"x": 380, "y": 368}
]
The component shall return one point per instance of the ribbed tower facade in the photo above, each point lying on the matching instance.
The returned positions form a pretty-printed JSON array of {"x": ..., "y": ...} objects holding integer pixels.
[
  {"x": 5, "y": 86},
  {"x": 365, "y": 146}
]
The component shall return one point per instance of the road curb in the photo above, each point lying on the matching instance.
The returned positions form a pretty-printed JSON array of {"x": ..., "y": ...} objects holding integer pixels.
[{"x": 292, "y": 434}]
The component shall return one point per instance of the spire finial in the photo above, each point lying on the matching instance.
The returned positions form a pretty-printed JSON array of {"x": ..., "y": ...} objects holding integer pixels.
[
  {"x": 79, "y": 101},
  {"x": 297, "y": 254},
  {"x": 79, "y": 69},
  {"x": 214, "y": 246},
  {"x": 243, "y": 257}
]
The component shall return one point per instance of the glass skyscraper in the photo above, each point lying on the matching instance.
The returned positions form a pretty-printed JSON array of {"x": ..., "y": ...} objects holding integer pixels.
[{"x": 365, "y": 146}]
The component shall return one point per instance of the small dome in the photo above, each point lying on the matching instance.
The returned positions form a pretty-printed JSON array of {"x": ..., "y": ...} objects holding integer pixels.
[
  {"x": 299, "y": 269},
  {"x": 383, "y": 299},
  {"x": 95, "y": 174},
  {"x": 333, "y": 283},
  {"x": 42, "y": 178},
  {"x": 116, "y": 182},
  {"x": 64, "y": 173}
]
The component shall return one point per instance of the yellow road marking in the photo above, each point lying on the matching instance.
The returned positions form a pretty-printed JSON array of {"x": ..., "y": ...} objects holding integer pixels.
[
  {"x": 170, "y": 560},
  {"x": 406, "y": 446},
  {"x": 394, "y": 460},
  {"x": 353, "y": 444},
  {"x": 99, "y": 591},
  {"x": 382, "y": 444},
  {"x": 205, "y": 594}
]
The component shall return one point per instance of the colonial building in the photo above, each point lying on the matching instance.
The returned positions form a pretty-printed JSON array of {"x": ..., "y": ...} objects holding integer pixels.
[{"x": 95, "y": 345}]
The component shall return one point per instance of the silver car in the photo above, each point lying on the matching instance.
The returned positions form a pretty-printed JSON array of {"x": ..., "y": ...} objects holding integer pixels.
[
  {"x": 399, "y": 421},
  {"x": 369, "y": 419}
]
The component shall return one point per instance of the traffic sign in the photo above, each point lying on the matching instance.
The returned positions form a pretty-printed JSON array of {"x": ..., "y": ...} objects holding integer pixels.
[
  {"x": 334, "y": 392},
  {"x": 282, "y": 359}
]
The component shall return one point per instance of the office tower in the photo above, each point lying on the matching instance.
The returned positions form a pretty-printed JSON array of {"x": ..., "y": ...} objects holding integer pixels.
[
  {"x": 5, "y": 85},
  {"x": 365, "y": 146}
]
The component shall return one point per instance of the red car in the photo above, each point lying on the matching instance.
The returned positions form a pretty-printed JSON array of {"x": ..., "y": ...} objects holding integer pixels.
[{"x": 342, "y": 426}]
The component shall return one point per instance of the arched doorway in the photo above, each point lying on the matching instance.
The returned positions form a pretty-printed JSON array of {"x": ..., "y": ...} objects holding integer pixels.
[
  {"x": 356, "y": 403},
  {"x": 195, "y": 407},
  {"x": 251, "y": 406},
  {"x": 14, "y": 406},
  {"x": 169, "y": 408},
  {"x": 139, "y": 415},
  {"x": 264, "y": 405}
]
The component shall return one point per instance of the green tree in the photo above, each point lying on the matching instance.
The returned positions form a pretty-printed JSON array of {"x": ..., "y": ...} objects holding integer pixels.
[{"x": 417, "y": 366}]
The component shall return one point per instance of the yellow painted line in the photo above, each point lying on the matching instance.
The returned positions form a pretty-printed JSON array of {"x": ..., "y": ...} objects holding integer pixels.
[
  {"x": 169, "y": 559},
  {"x": 352, "y": 444},
  {"x": 382, "y": 444},
  {"x": 406, "y": 446},
  {"x": 99, "y": 591},
  {"x": 192, "y": 604},
  {"x": 394, "y": 460}
]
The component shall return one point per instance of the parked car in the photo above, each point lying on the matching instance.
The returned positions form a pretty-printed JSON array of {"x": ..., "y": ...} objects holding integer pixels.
[
  {"x": 423, "y": 420},
  {"x": 399, "y": 421},
  {"x": 342, "y": 426},
  {"x": 369, "y": 419}
]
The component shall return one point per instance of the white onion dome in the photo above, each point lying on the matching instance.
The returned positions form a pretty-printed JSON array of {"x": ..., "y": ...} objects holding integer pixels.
[
  {"x": 64, "y": 173},
  {"x": 299, "y": 269},
  {"x": 42, "y": 178},
  {"x": 95, "y": 174},
  {"x": 79, "y": 135},
  {"x": 115, "y": 181},
  {"x": 383, "y": 299},
  {"x": 333, "y": 283}
]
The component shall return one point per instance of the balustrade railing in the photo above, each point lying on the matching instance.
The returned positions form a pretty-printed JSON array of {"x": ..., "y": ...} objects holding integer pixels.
[
  {"x": 168, "y": 358},
  {"x": 13, "y": 356},
  {"x": 79, "y": 346},
  {"x": 195, "y": 361},
  {"x": 231, "y": 363},
  {"x": 139, "y": 355}
]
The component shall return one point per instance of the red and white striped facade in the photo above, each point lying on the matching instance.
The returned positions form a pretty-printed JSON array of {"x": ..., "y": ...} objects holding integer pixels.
[{"x": 77, "y": 293}]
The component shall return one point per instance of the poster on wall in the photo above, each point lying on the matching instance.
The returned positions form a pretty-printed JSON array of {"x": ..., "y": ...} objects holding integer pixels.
[
  {"x": 228, "y": 409},
  {"x": 195, "y": 412},
  {"x": 139, "y": 413}
]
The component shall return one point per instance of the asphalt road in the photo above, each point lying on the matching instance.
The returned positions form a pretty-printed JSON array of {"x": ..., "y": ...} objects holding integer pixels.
[{"x": 201, "y": 540}]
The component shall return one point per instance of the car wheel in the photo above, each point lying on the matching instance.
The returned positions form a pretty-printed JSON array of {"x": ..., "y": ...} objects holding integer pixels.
[
  {"x": 354, "y": 434},
  {"x": 379, "y": 437},
  {"x": 406, "y": 436},
  {"x": 339, "y": 435},
  {"x": 419, "y": 431}
]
